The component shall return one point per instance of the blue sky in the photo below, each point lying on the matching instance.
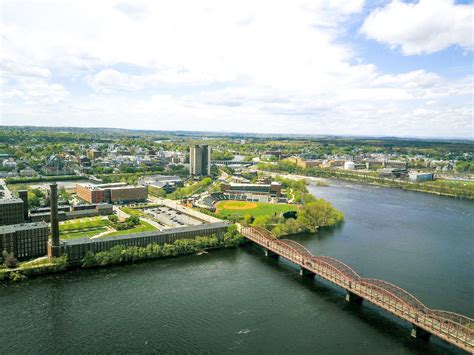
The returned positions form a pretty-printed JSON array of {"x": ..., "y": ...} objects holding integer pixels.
[{"x": 351, "y": 67}]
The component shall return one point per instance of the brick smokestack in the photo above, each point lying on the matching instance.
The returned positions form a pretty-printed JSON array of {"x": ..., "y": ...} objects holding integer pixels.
[
  {"x": 23, "y": 194},
  {"x": 54, "y": 215}
]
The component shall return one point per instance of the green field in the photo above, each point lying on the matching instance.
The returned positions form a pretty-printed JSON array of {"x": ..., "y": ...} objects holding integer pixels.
[
  {"x": 142, "y": 227},
  {"x": 255, "y": 209},
  {"x": 83, "y": 223},
  {"x": 83, "y": 227},
  {"x": 84, "y": 233},
  {"x": 89, "y": 227}
]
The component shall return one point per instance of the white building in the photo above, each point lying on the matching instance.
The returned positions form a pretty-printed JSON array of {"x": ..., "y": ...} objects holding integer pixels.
[
  {"x": 349, "y": 165},
  {"x": 9, "y": 164},
  {"x": 420, "y": 177}
]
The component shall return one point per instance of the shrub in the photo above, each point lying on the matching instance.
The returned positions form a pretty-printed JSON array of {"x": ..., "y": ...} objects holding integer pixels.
[{"x": 9, "y": 260}]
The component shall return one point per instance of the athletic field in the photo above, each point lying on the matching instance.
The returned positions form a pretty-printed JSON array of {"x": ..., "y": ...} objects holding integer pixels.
[{"x": 255, "y": 209}]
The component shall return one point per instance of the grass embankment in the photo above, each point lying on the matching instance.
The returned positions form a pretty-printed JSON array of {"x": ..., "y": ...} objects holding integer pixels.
[
  {"x": 35, "y": 267},
  {"x": 120, "y": 255},
  {"x": 240, "y": 209}
]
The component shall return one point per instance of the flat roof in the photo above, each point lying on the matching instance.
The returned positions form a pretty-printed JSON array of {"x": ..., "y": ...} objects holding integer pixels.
[
  {"x": 5, "y": 201},
  {"x": 22, "y": 226},
  {"x": 235, "y": 184},
  {"x": 149, "y": 234},
  {"x": 113, "y": 186}
]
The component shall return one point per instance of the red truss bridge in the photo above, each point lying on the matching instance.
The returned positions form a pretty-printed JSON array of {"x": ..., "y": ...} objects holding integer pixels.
[{"x": 454, "y": 328}]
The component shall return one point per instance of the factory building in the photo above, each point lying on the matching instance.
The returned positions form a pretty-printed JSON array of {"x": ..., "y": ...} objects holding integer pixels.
[
  {"x": 11, "y": 211},
  {"x": 200, "y": 160},
  {"x": 111, "y": 193},
  {"x": 24, "y": 240},
  {"x": 71, "y": 212},
  {"x": 14, "y": 210},
  {"x": 76, "y": 249}
]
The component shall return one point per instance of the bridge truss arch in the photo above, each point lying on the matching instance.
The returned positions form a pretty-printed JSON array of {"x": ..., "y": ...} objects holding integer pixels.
[{"x": 455, "y": 328}]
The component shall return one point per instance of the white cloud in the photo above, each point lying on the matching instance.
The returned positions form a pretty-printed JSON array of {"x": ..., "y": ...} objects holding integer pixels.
[
  {"x": 254, "y": 66},
  {"x": 426, "y": 26},
  {"x": 37, "y": 92}
]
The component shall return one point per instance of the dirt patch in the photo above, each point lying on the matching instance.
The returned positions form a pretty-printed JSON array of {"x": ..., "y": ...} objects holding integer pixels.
[{"x": 238, "y": 205}]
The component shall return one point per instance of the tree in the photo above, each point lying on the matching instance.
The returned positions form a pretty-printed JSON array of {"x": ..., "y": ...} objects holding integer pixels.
[{"x": 248, "y": 219}]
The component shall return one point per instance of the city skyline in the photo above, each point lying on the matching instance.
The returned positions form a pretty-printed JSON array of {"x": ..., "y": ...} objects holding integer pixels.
[{"x": 338, "y": 68}]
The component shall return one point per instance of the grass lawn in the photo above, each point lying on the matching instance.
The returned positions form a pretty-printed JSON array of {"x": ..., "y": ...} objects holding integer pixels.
[
  {"x": 91, "y": 226},
  {"x": 82, "y": 233},
  {"x": 255, "y": 209},
  {"x": 83, "y": 223},
  {"x": 142, "y": 227},
  {"x": 133, "y": 211}
]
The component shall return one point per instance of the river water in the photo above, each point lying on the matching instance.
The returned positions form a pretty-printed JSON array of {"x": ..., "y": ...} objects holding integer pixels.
[{"x": 237, "y": 300}]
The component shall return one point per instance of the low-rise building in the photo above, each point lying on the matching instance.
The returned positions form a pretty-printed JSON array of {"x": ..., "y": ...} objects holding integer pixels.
[
  {"x": 111, "y": 193},
  {"x": 71, "y": 212},
  {"x": 28, "y": 173},
  {"x": 272, "y": 189},
  {"x": 415, "y": 176},
  {"x": 93, "y": 154},
  {"x": 9, "y": 164},
  {"x": 165, "y": 182},
  {"x": 56, "y": 165},
  {"x": 305, "y": 163},
  {"x": 349, "y": 165}
]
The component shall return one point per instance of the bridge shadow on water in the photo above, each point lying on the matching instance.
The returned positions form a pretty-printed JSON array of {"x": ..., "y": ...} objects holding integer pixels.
[{"x": 383, "y": 322}]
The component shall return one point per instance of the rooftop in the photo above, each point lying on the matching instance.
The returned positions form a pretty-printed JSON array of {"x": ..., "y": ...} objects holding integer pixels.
[
  {"x": 5, "y": 201},
  {"x": 22, "y": 226},
  {"x": 147, "y": 234}
]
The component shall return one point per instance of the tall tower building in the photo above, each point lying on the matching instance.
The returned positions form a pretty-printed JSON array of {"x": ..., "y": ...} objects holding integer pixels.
[{"x": 200, "y": 160}]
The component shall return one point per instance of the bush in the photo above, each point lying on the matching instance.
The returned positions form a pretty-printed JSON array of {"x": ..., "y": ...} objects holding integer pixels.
[
  {"x": 119, "y": 254},
  {"x": 9, "y": 260}
]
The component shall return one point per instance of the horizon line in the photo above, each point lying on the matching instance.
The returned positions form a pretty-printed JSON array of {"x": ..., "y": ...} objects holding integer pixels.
[{"x": 292, "y": 135}]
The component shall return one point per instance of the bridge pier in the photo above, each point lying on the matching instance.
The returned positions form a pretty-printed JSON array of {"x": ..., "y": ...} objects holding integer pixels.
[
  {"x": 271, "y": 254},
  {"x": 352, "y": 297},
  {"x": 307, "y": 273},
  {"x": 419, "y": 333}
]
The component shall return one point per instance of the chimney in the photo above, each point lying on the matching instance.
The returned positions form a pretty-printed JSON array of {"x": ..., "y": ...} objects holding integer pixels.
[
  {"x": 23, "y": 195},
  {"x": 54, "y": 215}
]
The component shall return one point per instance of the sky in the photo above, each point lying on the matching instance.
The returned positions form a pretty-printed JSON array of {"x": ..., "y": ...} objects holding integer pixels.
[{"x": 323, "y": 67}]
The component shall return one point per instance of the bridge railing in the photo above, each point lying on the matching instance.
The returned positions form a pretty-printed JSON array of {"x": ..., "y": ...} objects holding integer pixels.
[{"x": 455, "y": 328}]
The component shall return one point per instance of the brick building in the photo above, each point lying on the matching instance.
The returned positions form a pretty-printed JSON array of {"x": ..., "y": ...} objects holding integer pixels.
[
  {"x": 11, "y": 211},
  {"x": 111, "y": 193},
  {"x": 25, "y": 240}
]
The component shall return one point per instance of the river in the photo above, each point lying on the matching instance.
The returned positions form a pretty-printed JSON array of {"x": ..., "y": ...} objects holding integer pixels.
[{"x": 237, "y": 300}]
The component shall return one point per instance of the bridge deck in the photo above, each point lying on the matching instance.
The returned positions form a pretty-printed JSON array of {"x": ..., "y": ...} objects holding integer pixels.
[{"x": 454, "y": 328}]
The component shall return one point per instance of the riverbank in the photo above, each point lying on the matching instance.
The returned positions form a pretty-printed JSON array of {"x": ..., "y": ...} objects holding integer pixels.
[
  {"x": 224, "y": 301},
  {"x": 123, "y": 255},
  {"x": 442, "y": 189}
]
